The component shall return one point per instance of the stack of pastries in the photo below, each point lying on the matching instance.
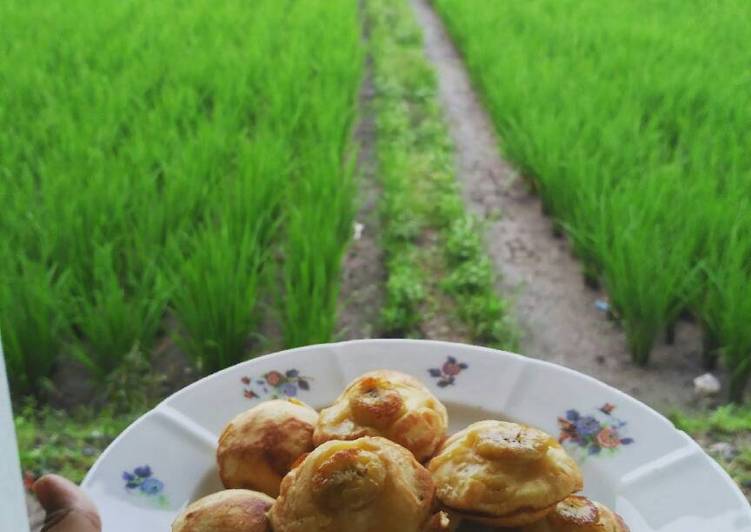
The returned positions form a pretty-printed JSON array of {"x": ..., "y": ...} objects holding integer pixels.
[{"x": 378, "y": 460}]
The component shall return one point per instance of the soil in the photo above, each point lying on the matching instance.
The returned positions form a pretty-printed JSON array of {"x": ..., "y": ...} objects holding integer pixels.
[
  {"x": 363, "y": 271},
  {"x": 555, "y": 311}
]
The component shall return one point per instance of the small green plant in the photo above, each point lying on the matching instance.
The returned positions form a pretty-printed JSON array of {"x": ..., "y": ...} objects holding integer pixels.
[
  {"x": 55, "y": 441},
  {"x": 68, "y": 442},
  {"x": 435, "y": 257},
  {"x": 472, "y": 283},
  {"x": 730, "y": 426},
  {"x": 727, "y": 419},
  {"x": 405, "y": 294}
]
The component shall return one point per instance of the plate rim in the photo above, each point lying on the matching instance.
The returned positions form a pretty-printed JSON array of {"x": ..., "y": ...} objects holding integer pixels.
[{"x": 338, "y": 345}]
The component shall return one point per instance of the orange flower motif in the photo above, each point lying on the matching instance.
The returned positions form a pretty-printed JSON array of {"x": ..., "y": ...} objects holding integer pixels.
[
  {"x": 274, "y": 378},
  {"x": 608, "y": 438}
]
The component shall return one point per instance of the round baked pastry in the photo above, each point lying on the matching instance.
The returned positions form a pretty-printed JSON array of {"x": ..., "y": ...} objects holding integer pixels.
[
  {"x": 388, "y": 404},
  {"x": 259, "y": 446},
  {"x": 503, "y": 474},
  {"x": 366, "y": 485},
  {"x": 226, "y": 511},
  {"x": 579, "y": 514}
]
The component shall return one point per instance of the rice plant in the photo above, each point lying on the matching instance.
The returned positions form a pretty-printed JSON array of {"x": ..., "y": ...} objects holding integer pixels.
[
  {"x": 631, "y": 121},
  {"x": 36, "y": 321},
  {"x": 147, "y": 154}
]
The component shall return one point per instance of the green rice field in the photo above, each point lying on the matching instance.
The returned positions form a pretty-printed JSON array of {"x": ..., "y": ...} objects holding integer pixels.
[
  {"x": 187, "y": 184},
  {"x": 631, "y": 119},
  {"x": 177, "y": 168},
  {"x": 186, "y": 170}
]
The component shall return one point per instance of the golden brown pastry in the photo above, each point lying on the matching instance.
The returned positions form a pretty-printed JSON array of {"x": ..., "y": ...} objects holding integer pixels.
[
  {"x": 503, "y": 474},
  {"x": 388, "y": 404},
  {"x": 579, "y": 514},
  {"x": 259, "y": 446},
  {"x": 364, "y": 485},
  {"x": 226, "y": 511}
]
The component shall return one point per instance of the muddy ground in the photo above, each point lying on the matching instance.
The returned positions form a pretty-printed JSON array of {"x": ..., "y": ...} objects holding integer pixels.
[{"x": 363, "y": 272}]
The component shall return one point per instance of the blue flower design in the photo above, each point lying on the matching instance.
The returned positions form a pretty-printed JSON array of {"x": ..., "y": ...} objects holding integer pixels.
[
  {"x": 594, "y": 434},
  {"x": 152, "y": 486},
  {"x": 143, "y": 471},
  {"x": 141, "y": 481},
  {"x": 290, "y": 390},
  {"x": 587, "y": 426}
]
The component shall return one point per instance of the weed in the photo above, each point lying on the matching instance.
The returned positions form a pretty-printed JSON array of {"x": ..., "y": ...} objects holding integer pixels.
[
  {"x": 433, "y": 249},
  {"x": 55, "y": 441},
  {"x": 729, "y": 425}
]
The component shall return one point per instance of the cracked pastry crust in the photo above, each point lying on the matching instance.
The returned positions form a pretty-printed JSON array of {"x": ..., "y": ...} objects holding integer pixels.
[
  {"x": 364, "y": 485},
  {"x": 579, "y": 514},
  {"x": 226, "y": 511},
  {"x": 388, "y": 404},
  {"x": 260, "y": 446},
  {"x": 503, "y": 474}
]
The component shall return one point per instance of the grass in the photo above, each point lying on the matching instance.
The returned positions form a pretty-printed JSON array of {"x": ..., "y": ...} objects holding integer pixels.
[
  {"x": 56, "y": 441},
  {"x": 183, "y": 159},
  {"x": 435, "y": 257},
  {"x": 68, "y": 442},
  {"x": 630, "y": 120},
  {"x": 730, "y": 425}
]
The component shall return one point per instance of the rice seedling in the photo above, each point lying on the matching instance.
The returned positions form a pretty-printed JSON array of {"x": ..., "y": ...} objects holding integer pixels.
[
  {"x": 726, "y": 305},
  {"x": 630, "y": 120},
  {"x": 150, "y": 153},
  {"x": 107, "y": 311},
  {"x": 35, "y": 323},
  {"x": 320, "y": 187}
]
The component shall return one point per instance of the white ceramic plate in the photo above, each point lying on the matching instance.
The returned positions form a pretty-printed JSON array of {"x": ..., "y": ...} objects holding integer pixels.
[{"x": 633, "y": 459}]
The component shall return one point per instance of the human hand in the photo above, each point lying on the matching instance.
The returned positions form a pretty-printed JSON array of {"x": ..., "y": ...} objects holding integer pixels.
[{"x": 68, "y": 508}]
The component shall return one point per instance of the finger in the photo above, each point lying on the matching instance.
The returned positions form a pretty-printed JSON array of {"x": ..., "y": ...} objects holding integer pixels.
[{"x": 68, "y": 508}]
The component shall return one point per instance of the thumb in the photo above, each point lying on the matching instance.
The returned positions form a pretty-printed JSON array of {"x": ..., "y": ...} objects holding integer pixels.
[{"x": 68, "y": 508}]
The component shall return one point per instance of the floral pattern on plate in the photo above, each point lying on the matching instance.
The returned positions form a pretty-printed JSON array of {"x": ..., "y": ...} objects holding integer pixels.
[
  {"x": 593, "y": 434},
  {"x": 141, "y": 481},
  {"x": 446, "y": 374},
  {"x": 275, "y": 385}
]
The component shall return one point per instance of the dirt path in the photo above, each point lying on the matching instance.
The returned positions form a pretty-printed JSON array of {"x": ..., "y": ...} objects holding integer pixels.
[
  {"x": 363, "y": 273},
  {"x": 554, "y": 309}
]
